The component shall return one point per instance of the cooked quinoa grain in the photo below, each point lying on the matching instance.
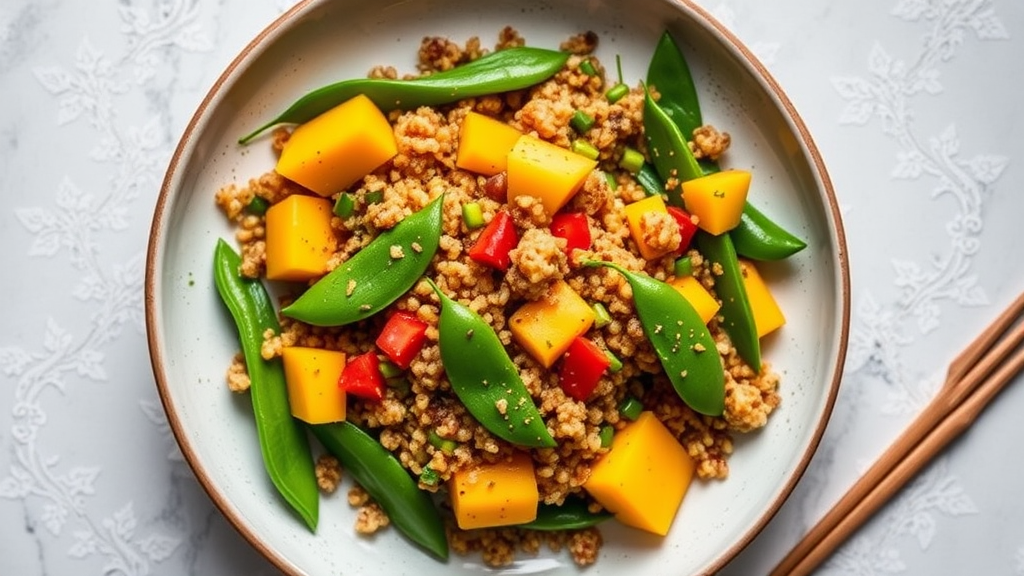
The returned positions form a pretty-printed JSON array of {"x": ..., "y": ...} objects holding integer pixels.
[
  {"x": 419, "y": 407},
  {"x": 328, "y": 473}
]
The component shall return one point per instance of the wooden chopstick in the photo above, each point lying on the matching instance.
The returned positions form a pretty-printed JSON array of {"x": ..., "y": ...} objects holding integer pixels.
[{"x": 974, "y": 378}]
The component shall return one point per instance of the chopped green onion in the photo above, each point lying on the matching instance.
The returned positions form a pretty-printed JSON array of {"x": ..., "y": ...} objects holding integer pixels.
[
  {"x": 612, "y": 182},
  {"x": 616, "y": 364},
  {"x": 587, "y": 67},
  {"x": 683, "y": 267},
  {"x": 374, "y": 197},
  {"x": 445, "y": 445},
  {"x": 585, "y": 148},
  {"x": 631, "y": 160},
  {"x": 631, "y": 408},
  {"x": 472, "y": 215},
  {"x": 618, "y": 66},
  {"x": 429, "y": 476},
  {"x": 616, "y": 93},
  {"x": 601, "y": 316},
  {"x": 581, "y": 121},
  {"x": 258, "y": 206},
  {"x": 389, "y": 369},
  {"x": 606, "y": 434},
  {"x": 344, "y": 206}
]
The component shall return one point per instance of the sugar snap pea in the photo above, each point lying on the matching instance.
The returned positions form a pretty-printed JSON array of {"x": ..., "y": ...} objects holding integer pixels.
[
  {"x": 501, "y": 71},
  {"x": 683, "y": 343},
  {"x": 410, "y": 509},
  {"x": 757, "y": 236},
  {"x": 573, "y": 514},
  {"x": 670, "y": 75},
  {"x": 286, "y": 454},
  {"x": 760, "y": 238},
  {"x": 737, "y": 316},
  {"x": 669, "y": 151},
  {"x": 485, "y": 379},
  {"x": 375, "y": 276}
]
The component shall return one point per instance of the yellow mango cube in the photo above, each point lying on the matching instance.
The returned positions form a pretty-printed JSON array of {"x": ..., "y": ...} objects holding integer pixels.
[
  {"x": 484, "y": 144},
  {"x": 501, "y": 494},
  {"x": 717, "y": 199},
  {"x": 337, "y": 148},
  {"x": 644, "y": 476},
  {"x": 697, "y": 295},
  {"x": 768, "y": 315},
  {"x": 299, "y": 238},
  {"x": 634, "y": 218},
  {"x": 546, "y": 327},
  {"x": 312, "y": 378},
  {"x": 545, "y": 171}
]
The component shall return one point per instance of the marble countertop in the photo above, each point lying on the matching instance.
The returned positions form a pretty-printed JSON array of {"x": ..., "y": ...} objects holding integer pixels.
[{"x": 916, "y": 106}]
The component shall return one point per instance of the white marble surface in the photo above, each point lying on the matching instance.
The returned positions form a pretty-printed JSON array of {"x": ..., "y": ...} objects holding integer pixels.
[{"x": 915, "y": 104}]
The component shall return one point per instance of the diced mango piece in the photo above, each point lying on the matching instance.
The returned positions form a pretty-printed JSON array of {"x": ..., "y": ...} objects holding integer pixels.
[
  {"x": 634, "y": 217},
  {"x": 546, "y": 327},
  {"x": 312, "y": 377},
  {"x": 643, "y": 478},
  {"x": 501, "y": 494},
  {"x": 299, "y": 238},
  {"x": 767, "y": 313},
  {"x": 332, "y": 151},
  {"x": 484, "y": 144},
  {"x": 717, "y": 199},
  {"x": 697, "y": 295},
  {"x": 546, "y": 171}
]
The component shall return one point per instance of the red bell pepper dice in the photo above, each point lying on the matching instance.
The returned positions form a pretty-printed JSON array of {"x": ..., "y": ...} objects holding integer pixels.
[
  {"x": 572, "y": 226},
  {"x": 686, "y": 227},
  {"x": 361, "y": 377},
  {"x": 496, "y": 240},
  {"x": 582, "y": 366},
  {"x": 402, "y": 338}
]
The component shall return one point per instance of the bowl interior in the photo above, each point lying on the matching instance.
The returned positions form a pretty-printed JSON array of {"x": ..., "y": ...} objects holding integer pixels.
[{"x": 192, "y": 338}]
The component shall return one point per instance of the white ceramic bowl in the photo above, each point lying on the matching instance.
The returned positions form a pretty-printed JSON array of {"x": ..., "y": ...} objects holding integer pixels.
[{"x": 192, "y": 339}]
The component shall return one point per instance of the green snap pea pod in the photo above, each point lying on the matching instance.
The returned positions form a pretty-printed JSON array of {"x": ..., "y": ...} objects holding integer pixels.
[
  {"x": 374, "y": 277},
  {"x": 573, "y": 514},
  {"x": 757, "y": 236},
  {"x": 500, "y": 71},
  {"x": 669, "y": 151},
  {"x": 286, "y": 454},
  {"x": 682, "y": 341},
  {"x": 484, "y": 377},
  {"x": 410, "y": 509},
  {"x": 760, "y": 238},
  {"x": 669, "y": 73},
  {"x": 738, "y": 318}
]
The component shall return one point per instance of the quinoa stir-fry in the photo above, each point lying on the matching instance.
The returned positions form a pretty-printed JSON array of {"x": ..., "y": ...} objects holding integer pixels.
[{"x": 508, "y": 346}]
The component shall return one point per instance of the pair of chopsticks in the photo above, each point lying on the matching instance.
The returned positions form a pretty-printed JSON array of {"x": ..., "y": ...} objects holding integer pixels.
[{"x": 973, "y": 379}]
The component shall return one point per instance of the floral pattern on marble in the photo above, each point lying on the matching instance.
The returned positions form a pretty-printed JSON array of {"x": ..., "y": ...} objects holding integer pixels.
[
  {"x": 882, "y": 331},
  {"x": 89, "y": 91}
]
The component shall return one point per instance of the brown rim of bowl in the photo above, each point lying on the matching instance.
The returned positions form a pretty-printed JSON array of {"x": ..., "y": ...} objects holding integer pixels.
[
  {"x": 156, "y": 358},
  {"x": 844, "y": 273},
  {"x": 741, "y": 50}
]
